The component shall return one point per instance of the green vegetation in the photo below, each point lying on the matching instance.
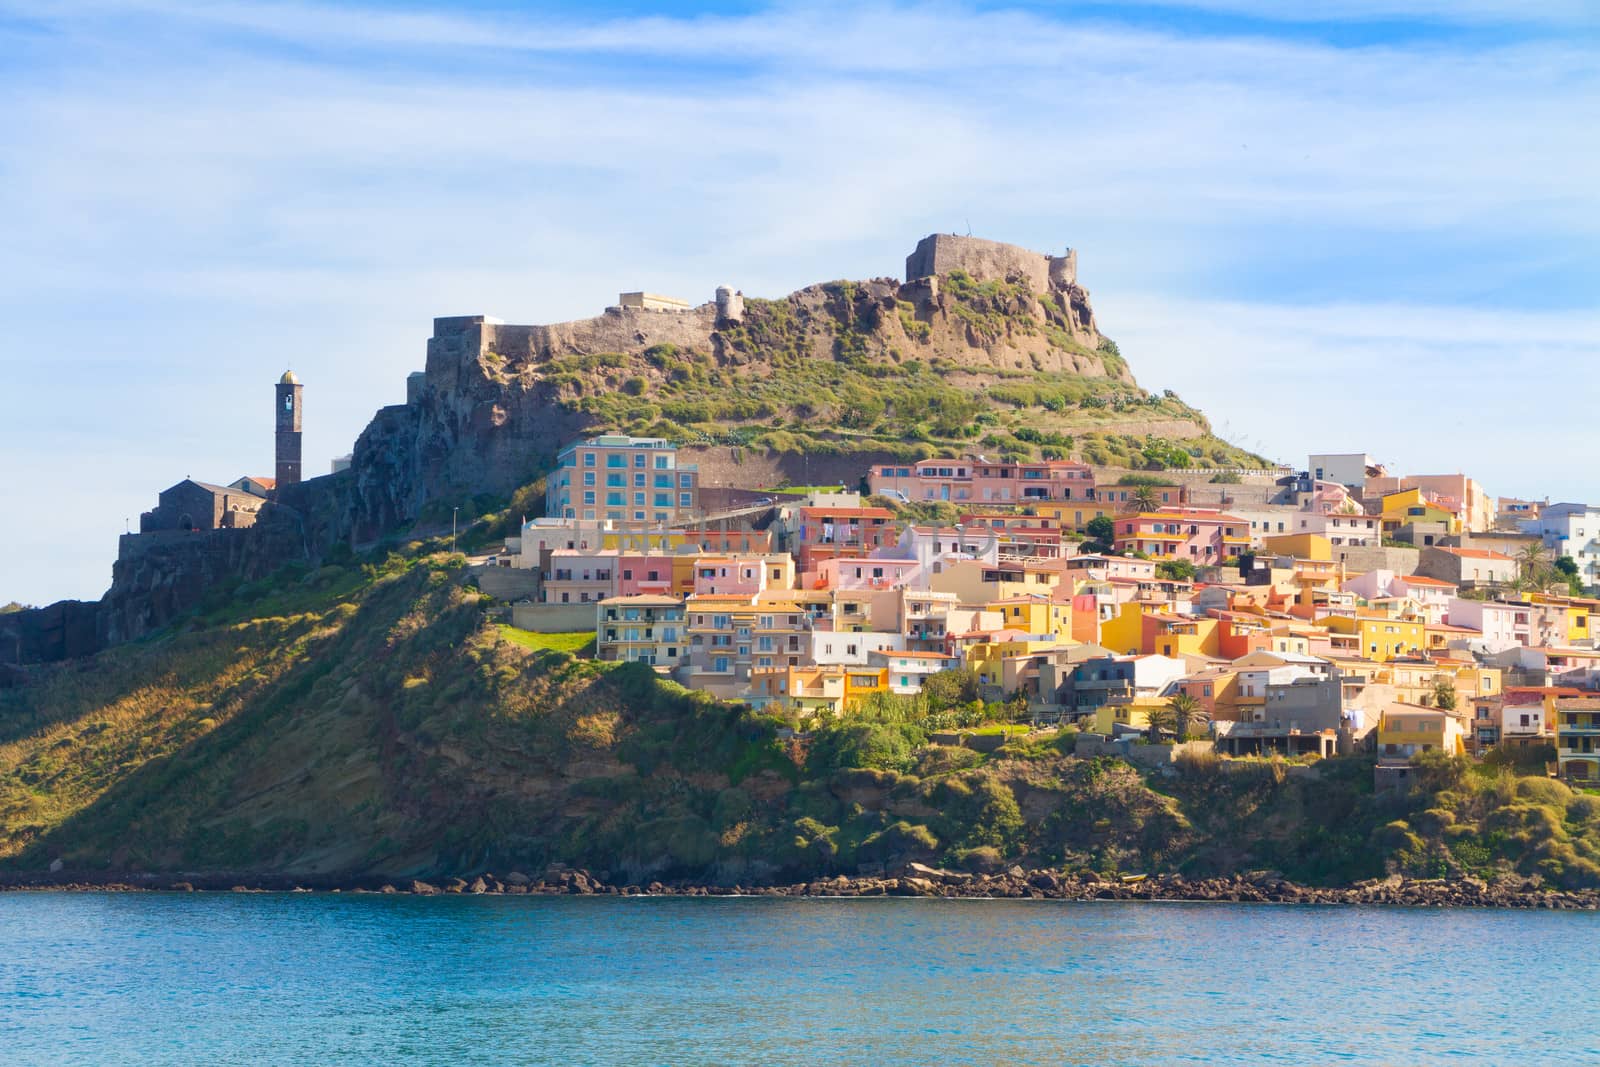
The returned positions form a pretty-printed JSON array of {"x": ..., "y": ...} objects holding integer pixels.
[
  {"x": 580, "y": 643},
  {"x": 371, "y": 718},
  {"x": 848, "y": 375},
  {"x": 1179, "y": 570}
]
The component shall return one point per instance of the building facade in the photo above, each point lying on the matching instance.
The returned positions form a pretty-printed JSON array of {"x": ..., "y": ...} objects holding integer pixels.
[{"x": 623, "y": 479}]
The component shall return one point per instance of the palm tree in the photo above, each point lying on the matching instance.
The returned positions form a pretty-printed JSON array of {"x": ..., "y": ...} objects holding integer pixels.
[
  {"x": 1531, "y": 565},
  {"x": 1186, "y": 711},
  {"x": 1144, "y": 498},
  {"x": 1160, "y": 719}
]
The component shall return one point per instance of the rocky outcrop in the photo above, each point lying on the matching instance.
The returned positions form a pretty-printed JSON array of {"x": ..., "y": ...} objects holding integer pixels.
[
  {"x": 63, "y": 630},
  {"x": 159, "y": 577}
]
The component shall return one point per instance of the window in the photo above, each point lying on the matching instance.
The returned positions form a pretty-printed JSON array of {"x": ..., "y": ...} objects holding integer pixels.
[
  {"x": 616, "y": 460},
  {"x": 588, "y": 477},
  {"x": 685, "y": 481},
  {"x": 588, "y": 496},
  {"x": 686, "y": 500},
  {"x": 638, "y": 481},
  {"x": 588, "y": 459}
]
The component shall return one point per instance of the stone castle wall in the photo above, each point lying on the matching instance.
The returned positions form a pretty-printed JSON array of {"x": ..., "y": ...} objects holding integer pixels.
[{"x": 941, "y": 253}]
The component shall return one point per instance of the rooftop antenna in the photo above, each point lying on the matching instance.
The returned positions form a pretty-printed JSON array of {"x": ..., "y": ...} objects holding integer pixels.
[{"x": 969, "y": 226}]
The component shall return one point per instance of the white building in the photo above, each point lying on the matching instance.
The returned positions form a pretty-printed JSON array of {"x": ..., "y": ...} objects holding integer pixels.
[
  {"x": 1571, "y": 530},
  {"x": 1342, "y": 531},
  {"x": 1346, "y": 468},
  {"x": 907, "y": 670},
  {"x": 851, "y": 648}
]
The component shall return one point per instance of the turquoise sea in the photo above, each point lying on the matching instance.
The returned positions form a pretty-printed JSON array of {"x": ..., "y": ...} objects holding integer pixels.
[{"x": 338, "y": 979}]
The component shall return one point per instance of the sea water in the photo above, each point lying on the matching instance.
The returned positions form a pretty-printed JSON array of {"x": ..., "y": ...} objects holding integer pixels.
[{"x": 347, "y": 979}]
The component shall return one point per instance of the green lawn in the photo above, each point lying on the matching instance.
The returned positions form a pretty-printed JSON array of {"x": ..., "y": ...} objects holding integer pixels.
[{"x": 578, "y": 642}]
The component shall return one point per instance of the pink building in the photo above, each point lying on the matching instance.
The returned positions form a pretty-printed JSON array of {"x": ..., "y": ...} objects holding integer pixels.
[
  {"x": 978, "y": 480},
  {"x": 867, "y": 573},
  {"x": 742, "y": 575},
  {"x": 1500, "y": 623},
  {"x": 832, "y": 532},
  {"x": 1200, "y": 535},
  {"x": 575, "y": 577},
  {"x": 646, "y": 573}
]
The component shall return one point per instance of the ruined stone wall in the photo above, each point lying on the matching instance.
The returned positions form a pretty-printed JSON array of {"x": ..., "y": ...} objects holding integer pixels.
[{"x": 941, "y": 253}]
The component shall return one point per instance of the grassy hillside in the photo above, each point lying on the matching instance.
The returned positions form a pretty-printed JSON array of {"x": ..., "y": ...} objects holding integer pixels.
[
  {"x": 839, "y": 368},
  {"x": 371, "y": 719}
]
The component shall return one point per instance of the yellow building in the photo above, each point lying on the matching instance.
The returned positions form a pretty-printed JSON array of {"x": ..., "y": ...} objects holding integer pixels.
[
  {"x": 1378, "y": 637},
  {"x": 1035, "y": 614},
  {"x": 1123, "y": 633},
  {"x": 1076, "y": 514},
  {"x": 814, "y": 691},
  {"x": 1131, "y": 714},
  {"x": 1170, "y": 634},
  {"x": 1308, "y": 546},
  {"x": 1406, "y": 730},
  {"x": 987, "y": 658},
  {"x": 1411, "y": 506},
  {"x": 976, "y": 582},
  {"x": 1578, "y": 738}
]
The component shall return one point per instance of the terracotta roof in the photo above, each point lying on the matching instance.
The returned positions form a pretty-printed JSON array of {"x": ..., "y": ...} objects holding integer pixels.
[
  {"x": 1476, "y": 553},
  {"x": 1417, "y": 579}
]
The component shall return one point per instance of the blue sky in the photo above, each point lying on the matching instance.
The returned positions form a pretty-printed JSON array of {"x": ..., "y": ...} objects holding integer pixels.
[{"x": 1350, "y": 225}]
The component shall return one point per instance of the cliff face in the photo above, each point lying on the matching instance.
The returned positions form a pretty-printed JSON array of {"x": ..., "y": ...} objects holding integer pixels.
[{"x": 499, "y": 399}]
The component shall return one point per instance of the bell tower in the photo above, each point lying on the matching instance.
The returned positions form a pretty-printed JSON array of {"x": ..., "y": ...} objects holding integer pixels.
[{"x": 288, "y": 424}]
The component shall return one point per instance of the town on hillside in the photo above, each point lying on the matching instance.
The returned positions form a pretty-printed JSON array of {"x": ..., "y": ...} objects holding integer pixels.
[
  {"x": 1331, "y": 610},
  {"x": 1307, "y": 613}
]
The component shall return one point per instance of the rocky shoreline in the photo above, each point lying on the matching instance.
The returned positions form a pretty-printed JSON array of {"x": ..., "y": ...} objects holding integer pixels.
[{"x": 916, "y": 880}]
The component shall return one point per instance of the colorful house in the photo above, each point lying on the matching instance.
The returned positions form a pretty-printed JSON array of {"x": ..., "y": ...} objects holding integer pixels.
[
  {"x": 1379, "y": 637},
  {"x": 1194, "y": 534},
  {"x": 1578, "y": 737},
  {"x": 642, "y": 629},
  {"x": 1406, "y": 730}
]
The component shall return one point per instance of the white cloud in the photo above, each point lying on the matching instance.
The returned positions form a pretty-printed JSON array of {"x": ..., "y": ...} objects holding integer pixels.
[{"x": 1425, "y": 389}]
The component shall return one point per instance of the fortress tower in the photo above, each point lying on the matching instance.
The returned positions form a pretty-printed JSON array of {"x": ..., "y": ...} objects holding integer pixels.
[{"x": 288, "y": 424}]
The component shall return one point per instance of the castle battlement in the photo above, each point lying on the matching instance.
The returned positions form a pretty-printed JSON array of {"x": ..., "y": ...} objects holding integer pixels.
[{"x": 941, "y": 253}]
